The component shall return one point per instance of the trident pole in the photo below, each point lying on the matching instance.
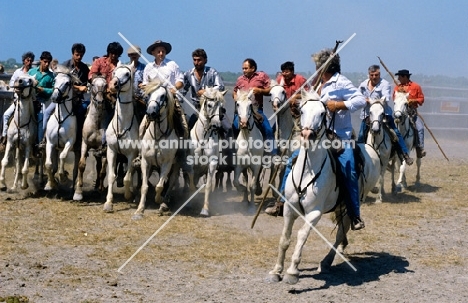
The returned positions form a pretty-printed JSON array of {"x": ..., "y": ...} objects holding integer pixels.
[{"x": 419, "y": 115}]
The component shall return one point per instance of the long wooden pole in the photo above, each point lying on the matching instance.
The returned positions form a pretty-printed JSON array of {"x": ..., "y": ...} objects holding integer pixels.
[{"x": 419, "y": 115}]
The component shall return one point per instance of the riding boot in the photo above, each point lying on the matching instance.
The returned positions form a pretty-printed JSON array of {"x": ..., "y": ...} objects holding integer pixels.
[{"x": 42, "y": 144}]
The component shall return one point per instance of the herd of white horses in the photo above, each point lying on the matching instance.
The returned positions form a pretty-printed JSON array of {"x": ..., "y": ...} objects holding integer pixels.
[{"x": 311, "y": 186}]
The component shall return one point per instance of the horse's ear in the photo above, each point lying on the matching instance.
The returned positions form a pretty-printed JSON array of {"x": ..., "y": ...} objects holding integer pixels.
[
  {"x": 224, "y": 92},
  {"x": 273, "y": 82},
  {"x": 382, "y": 100}
]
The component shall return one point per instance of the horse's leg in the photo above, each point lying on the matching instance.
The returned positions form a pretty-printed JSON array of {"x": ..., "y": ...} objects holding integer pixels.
[
  {"x": 25, "y": 170},
  {"x": 392, "y": 172},
  {"x": 210, "y": 176},
  {"x": 111, "y": 162},
  {"x": 228, "y": 181},
  {"x": 3, "y": 186},
  {"x": 255, "y": 183},
  {"x": 62, "y": 157},
  {"x": 78, "y": 196},
  {"x": 418, "y": 172},
  {"x": 285, "y": 240},
  {"x": 163, "y": 177},
  {"x": 51, "y": 183},
  {"x": 145, "y": 174},
  {"x": 101, "y": 172},
  {"x": 341, "y": 240},
  {"x": 292, "y": 274},
  {"x": 128, "y": 177},
  {"x": 401, "y": 183}
]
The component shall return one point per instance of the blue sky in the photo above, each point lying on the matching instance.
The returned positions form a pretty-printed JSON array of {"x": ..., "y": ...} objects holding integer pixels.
[{"x": 426, "y": 37}]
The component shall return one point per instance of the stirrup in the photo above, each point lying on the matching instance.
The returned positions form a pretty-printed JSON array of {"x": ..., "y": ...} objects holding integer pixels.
[{"x": 357, "y": 224}]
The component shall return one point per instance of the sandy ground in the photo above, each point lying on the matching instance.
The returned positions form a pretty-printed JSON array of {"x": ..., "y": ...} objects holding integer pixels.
[{"x": 413, "y": 248}]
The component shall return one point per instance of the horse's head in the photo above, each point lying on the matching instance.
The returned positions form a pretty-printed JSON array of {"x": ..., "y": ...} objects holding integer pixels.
[
  {"x": 376, "y": 114},
  {"x": 313, "y": 115},
  {"x": 63, "y": 84},
  {"x": 212, "y": 106},
  {"x": 98, "y": 89},
  {"x": 24, "y": 85},
  {"x": 160, "y": 102},
  {"x": 400, "y": 107},
  {"x": 244, "y": 107},
  {"x": 277, "y": 95},
  {"x": 122, "y": 79}
]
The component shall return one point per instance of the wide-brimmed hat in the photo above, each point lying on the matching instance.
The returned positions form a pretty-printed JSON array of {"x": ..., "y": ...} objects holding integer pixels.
[
  {"x": 134, "y": 49},
  {"x": 403, "y": 72},
  {"x": 157, "y": 43}
]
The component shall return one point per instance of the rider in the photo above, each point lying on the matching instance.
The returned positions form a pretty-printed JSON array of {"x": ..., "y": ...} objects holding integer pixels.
[
  {"x": 133, "y": 53},
  {"x": 28, "y": 59},
  {"x": 168, "y": 72},
  {"x": 104, "y": 66},
  {"x": 375, "y": 88},
  {"x": 291, "y": 83},
  {"x": 259, "y": 82},
  {"x": 341, "y": 98},
  {"x": 415, "y": 99},
  {"x": 44, "y": 89},
  {"x": 197, "y": 79}
]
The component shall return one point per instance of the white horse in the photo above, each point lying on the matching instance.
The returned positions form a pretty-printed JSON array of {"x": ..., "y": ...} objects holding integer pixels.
[
  {"x": 122, "y": 131},
  {"x": 61, "y": 127},
  {"x": 312, "y": 189},
  {"x": 205, "y": 136},
  {"x": 92, "y": 136},
  {"x": 249, "y": 151},
  {"x": 22, "y": 131},
  {"x": 379, "y": 138},
  {"x": 287, "y": 132},
  {"x": 402, "y": 120},
  {"x": 159, "y": 145}
]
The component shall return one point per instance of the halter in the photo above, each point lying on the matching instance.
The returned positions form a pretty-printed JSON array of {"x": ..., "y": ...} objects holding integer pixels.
[
  {"x": 209, "y": 117},
  {"x": 156, "y": 115},
  {"x": 318, "y": 134},
  {"x": 99, "y": 92},
  {"x": 21, "y": 87},
  {"x": 61, "y": 99},
  {"x": 404, "y": 114},
  {"x": 380, "y": 118},
  {"x": 120, "y": 84},
  {"x": 249, "y": 126}
]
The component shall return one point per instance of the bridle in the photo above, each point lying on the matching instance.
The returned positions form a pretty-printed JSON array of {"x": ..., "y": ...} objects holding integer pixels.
[{"x": 156, "y": 117}]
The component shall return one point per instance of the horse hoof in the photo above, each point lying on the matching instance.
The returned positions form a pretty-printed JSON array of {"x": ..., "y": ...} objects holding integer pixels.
[
  {"x": 108, "y": 208},
  {"x": 273, "y": 278},
  {"x": 137, "y": 217},
  {"x": 375, "y": 190},
  {"x": 399, "y": 188},
  {"x": 77, "y": 197},
  {"x": 204, "y": 213},
  {"x": 3, "y": 188},
  {"x": 291, "y": 279}
]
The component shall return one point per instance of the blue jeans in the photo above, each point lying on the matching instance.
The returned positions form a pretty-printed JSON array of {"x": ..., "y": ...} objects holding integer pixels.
[
  {"x": 420, "y": 129},
  {"x": 350, "y": 178}
]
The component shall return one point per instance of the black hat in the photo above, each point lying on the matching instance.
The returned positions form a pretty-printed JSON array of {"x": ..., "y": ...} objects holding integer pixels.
[
  {"x": 403, "y": 72},
  {"x": 166, "y": 45}
]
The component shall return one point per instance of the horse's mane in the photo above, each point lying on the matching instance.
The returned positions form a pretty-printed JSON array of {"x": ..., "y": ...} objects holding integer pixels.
[
  {"x": 309, "y": 95},
  {"x": 61, "y": 69},
  {"x": 243, "y": 95},
  {"x": 212, "y": 93},
  {"x": 153, "y": 86}
]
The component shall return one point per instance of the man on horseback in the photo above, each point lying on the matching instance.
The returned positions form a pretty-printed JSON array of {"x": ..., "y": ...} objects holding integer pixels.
[
  {"x": 259, "y": 82},
  {"x": 45, "y": 78},
  {"x": 168, "y": 72},
  {"x": 415, "y": 99},
  {"x": 197, "y": 79},
  {"x": 28, "y": 59},
  {"x": 133, "y": 53},
  {"x": 341, "y": 98},
  {"x": 375, "y": 88},
  {"x": 81, "y": 70},
  {"x": 104, "y": 66},
  {"x": 291, "y": 83}
]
